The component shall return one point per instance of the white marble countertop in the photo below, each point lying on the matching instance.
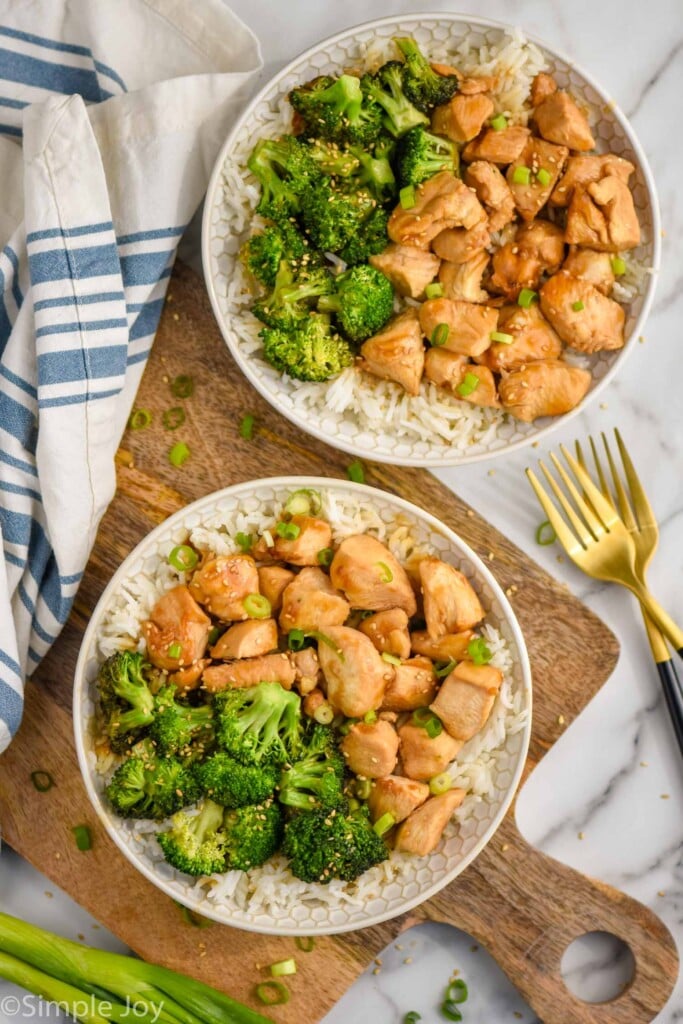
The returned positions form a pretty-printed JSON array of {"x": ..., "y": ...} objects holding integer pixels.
[{"x": 616, "y": 777}]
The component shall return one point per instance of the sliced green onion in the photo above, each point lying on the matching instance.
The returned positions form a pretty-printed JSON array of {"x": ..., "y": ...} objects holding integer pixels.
[
  {"x": 323, "y": 638},
  {"x": 450, "y": 1011},
  {"x": 244, "y": 541},
  {"x": 179, "y": 454},
  {"x": 191, "y": 918},
  {"x": 215, "y": 633},
  {"x": 183, "y": 557},
  {"x": 422, "y": 715},
  {"x": 139, "y": 419},
  {"x": 391, "y": 659},
  {"x": 370, "y": 717},
  {"x": 618, "y": 266},
  {"x": 545, "y": 534},
  {"x": 272, "y": 993},
  {"x": 173, "y": 418},
  {"x": 42, "y": 781},
  {"x": 182, "y": 386},
  {"x": 325, "y": 557},
  {"x": 469, "y": 384},
  {"x": 440, "y": 335},
  {"x": 521, "y": 175},
  {"x": 457, "y": 991},
  {"x": 288, "y": 531},
  {"x": 578, "y": 306},
  {"x": 444, "y": 668},
  {"x": 305, "y": 943},
  {"x": 296, "y": 638},
  {"x": 383, "y": 824},
  {"x": 501, "y": 337},
  {"x": 406, "y": 197},
  {"x": 434, "y": 728},
  {"x": 82, "y": 837},
  {"x": 499, "y": 122},
  {"x": 247, "y": 427},
  {"x": 440, "y": 784},
  {"x": 354, "y": 805},
  {"x": 323, "y": 714},
  {"x": 304, "y": 502},
  {"x": 427, "y": 720},
  {"x": 412, "y": 1017},
  {"x": 479, "y": 651},
  {"x": 174, "y": 650},
  {"x": 434, "y": 291},
  {"x": 347, "y": 725},
  {"x": 283, "y": 967},
  {"x": 363, "y": 788},
  {"x": 386, "y": 575},
  {"x": 527, "y": 297},
  {"x": 257, "y": 606},
  {"x": 544, "y": 177},
  {"x": 356, "y": 472}
]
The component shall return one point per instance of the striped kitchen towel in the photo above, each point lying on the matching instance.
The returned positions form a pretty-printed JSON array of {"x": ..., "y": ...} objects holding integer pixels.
[{"x": 111, "y": 115}]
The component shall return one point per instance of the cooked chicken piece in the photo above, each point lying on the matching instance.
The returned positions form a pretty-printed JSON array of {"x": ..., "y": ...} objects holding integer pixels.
[
  {"x": 463, "y": 280},
  {"x": 483, "y": 83},
  {"x": 413, "y": 686},
  {"x": 602, "y": 216},
  {"x": 582, "y": 170},
  {"x": 466, "y": 697},
  {"x": 589, "y": 265},
  {"x": 533, "y": 338},
  {"x": 176, "y": 620},
  {"x": 449, "y": 647},
  {"x": 422, "y": 756},
  {"x": 469, "y": 324},
  {"x": 582, "y": 316},
  {"x": 397, "y": 796},
  {"x": 311, "y": 602},
  {"x": 559, "y": 120},
  {"x": 443, "y": 201},
  {"x": 537, "y": 156},
  {"x": 370, "y": 577},
  {"x": 420, "y": 833},
  {"x": 484, "y": 393},
  {"x": 272, "y": 581},
  {"x": 355, "y": 674},
  {"x": 186, "y": 679},
  {"x": 314, "y": 535},
  {"x": 388, "y": 631},
  {"x": 370, "y": 750},
  {"x": 247, "y": 640},
  {"x": 450, "y": 601},
  {"x": 493, "y": 191},
  {"x": 548, "y": 387},
  {"x": 543, "y": 85},
  {"x": 306, "y": 669},
  {"x": 409, "y": 268},
  {"x": 536, "y": 248},
  {"x": 270, "y": 668},
  {"x": 222, "y": 584},
  {"x": 500, "y": 147},
  {"x": 444, "y": 368},
  {"x": 397, "y": 352},
  {"x": 458, "y": 245},
  {"x": 312, "y": 701},
  {"x": 463, "y": 116}
]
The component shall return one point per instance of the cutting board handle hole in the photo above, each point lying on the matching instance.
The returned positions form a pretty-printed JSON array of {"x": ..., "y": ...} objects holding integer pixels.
[{"x": 597, "y": 967}]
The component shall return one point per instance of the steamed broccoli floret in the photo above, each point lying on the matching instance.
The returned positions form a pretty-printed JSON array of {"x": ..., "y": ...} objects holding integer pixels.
[
  {"x": 176, "y": 725},
  {"x": 125, "y": 696},
  {"x": 292, "y": 296},
  {"x": 385, "y": 88},
  {"x": 195, "y": 844},
  {"x": 316, "y": 779},
  {"x": 422, "y": 85},
  {"x": 285, "y": 170},
  {"x": 333, "y": 159},
  {"x": 260, "y": 724},
  {"x": 308, "y": 351},
  {"x": 370, "y": 239},
  {"x": 420, "y": 155},
  {"x": 263, "y": 252},
  {"x": 148, "y": 786},
  {"x": 324, "y": 845},
  {"x": 233, "y": 784},
  {"x": 252, "y": 834},
  {"x": 332, "y": 215},
  {"x": 375, "y": 170},
  {"x": 336, "y": 109},
  {"x": 363, "y": 302}
]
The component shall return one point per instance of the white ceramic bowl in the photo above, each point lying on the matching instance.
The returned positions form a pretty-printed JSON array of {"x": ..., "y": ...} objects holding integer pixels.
[
  {"x": 222, "y": 234},
  {"x": 426, "y": 875}
]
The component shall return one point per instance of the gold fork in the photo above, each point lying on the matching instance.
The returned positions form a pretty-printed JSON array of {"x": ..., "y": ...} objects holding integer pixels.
[{"x": 596, "y": 539}]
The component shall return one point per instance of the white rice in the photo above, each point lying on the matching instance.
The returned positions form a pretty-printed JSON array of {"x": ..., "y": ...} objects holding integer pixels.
[{"x": 272, "y": 889}]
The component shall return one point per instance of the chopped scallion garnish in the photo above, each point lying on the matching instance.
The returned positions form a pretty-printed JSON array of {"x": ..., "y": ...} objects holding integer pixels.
[
  {"x": 82, "y": 837},
  {"x": 173, "y": 418},
  {"x": 383, "y": 824},
  {"x": 440, "y": 784},
  {"x": 182, "y": 386},
  {"x": 450, "y": 1011},
  {"x": 391, "y": 659},
  {"x": 544, "y": 177},
  {"x": 303, "y": 503},
  {"x": 296, "y": 638},
  {"x": 247, "y": 427},
  {"x": 355, "y": 472},
  {"x": 499, "y": 122},
  {"x": 545, "y": 534},
  {"x": 457, "y": 991},
  {"x": 363, "y": 788},
  {"x": 578, "y": 306},
  {"x": 434, "y": 291},
  {"x": 526, "y": 298},
  {"x": 283, "y": 967},
  {"x": 257, "y": 606},
  {"x": 469, "y": 384},
  {"x": 139, "y": 419},
  {"x": 370, "y": 717},
  {"x": 190, "y": 917},
  {"x": 215, "y": 633},
  {"x": 406, "y": 197},
  {"x": 479, "y": 651},
  {"x": 386, "y": 575},
  {"x": 244, "y": 541},
  {"x": 521, "y": 175},
  {"x": 323, "y": 714},
  {"x": 288, "y": 531},
  {"x": 501, "y": 337},
  {"x": 427, "y": 720},
  {"x": 179, "y": 454},
  {"x": 440, "y": 335},
  {"x": 444, "y": 668},
  {"x": 183, "y": 558},
  {"x": 305, "y": 943},
  {"x": 272, "y": 993},
  {"x": 618, "y": 266},
  {"x": 42, "y": 781},
  {"x": 434, "y": 727},
  {"x": 325, "y": 556},
  {"x": 412, "y": 1017},
  {"x": 174, "y": 650}
]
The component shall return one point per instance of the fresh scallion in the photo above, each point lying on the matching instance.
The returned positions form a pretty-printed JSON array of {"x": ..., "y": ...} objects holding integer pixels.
[
  {"x": 355, "y": 472},
  {"x": 347, "y": 725},
  {"x": 434, "y": 290},
  {"x": 179, "y": 454},
  {"x": 444, "y": 668},
  {"x": 450, "y": 1011},
  {"x": 479, "y": 651},
  {"x": 440, "y": 784},
  {"x": 422, "y": 715},
  {"x": 296, "y": 638},
  {"x": 305, "y": 943},
  {"x": 174, "y": 650},
  {"x": 272, "y": 993},
  {"x": 544, "y": 177},
  {"x": 323, "y": 714},
  {"x": 215, "y": 633},
  {"x": 545, "y": 534},
  {"x": 406, "y": 197},
  {"x": 578, "y": 306},
  {"x": 527, "y": 297},
  {"x": 501, "y": 337},
  {"x": 247, "y": 427},
  {"x": 283, "y": 967},
  {"x": 139, "y": 419},
  {"x": 354, "y": 805},
  {"x": 304, "y": 502},
  {"x": 386, "y": 575},
  {"x": 325, "y": 556},
  {"x": 521, "y": 175},
  {"x": 190, "y": 917},
  {"x": 383, "y": 824},
  {"x": 440, "y": 335},
  {"x": 257, "y": 606},
  {"x": 323, "y": 638},
  {"x": 391, "y": 659},
  {"x": 427, "y": 720},
  {"x": 499, "y": 122},
  {"x": 469, "y": 384},
  {"x": 434, "y": 727},
  {"x": 173, "y": 418},
  {"x": 370, "y": 717},
  {"x": 82, "y": 837},
  {"x": 412, "y": 1017},
  {"x": 244, "y": 541},
  {"x": 183, "y": 558},
  {"x": 42, "y": 781},
  {"x": 457, "y": 991},
  {"x": 618, "y": 266},
  {"x": 182, "y": 386},
  {"x": 363, "y": 788},
  {"x": 288, "y": 531}
]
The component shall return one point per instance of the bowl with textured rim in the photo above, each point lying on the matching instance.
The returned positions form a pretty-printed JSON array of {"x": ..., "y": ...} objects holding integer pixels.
[
  {"x": 420, "y": 878},
  {"x": 224, "y": 229}
]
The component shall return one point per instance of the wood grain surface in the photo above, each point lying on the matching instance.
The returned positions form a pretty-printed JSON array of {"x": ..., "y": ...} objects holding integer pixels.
[{"x": 523, "y": 906}]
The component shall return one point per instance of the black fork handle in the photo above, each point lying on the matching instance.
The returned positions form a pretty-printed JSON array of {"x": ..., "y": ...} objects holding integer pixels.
[{"x": 673, "y": 694}]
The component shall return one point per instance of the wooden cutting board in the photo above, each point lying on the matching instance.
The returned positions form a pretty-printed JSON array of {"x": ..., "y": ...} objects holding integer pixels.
[{"x": 522, "y": 905}]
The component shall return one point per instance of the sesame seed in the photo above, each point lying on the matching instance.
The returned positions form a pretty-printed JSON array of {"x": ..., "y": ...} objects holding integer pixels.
[
  {"x": 661, "y": 893},
  {"x": 665, "y": 796},
  {"x": 560, "y": 719},
  {"x": 581, "y": 835}
]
